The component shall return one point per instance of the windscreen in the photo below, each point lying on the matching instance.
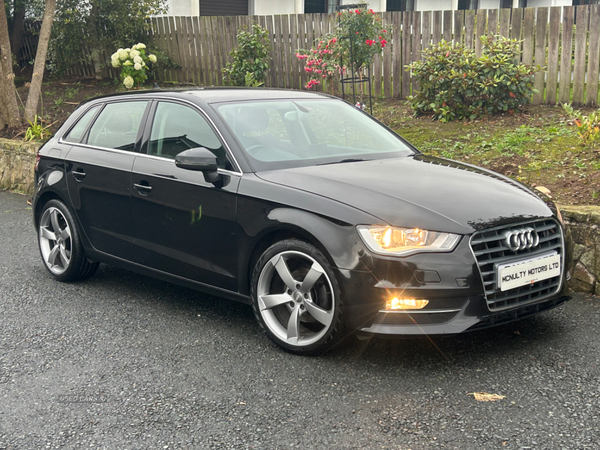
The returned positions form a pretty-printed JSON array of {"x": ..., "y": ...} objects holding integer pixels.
[{"x": 293, "y": 133}]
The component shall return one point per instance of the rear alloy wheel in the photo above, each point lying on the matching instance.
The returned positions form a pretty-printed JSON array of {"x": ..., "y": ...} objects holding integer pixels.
[
  {"x": 60, "y": 246},
  {"x": 296, "y": 298}
]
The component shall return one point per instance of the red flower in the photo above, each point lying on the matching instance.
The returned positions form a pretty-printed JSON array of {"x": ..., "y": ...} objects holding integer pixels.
[
  {"x": 384, "y": 31},
  {"x": 357, "y": 11},
  {"x": 334, "y": 40},
  {"x": 447, "y": 54},
  {"x": 383, "y": 45},
  {"x": 371, "y": 11},
  {"x": 369, "y": 42}
]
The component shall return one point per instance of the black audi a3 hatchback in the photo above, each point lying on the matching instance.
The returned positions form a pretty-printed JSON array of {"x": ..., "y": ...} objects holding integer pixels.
[{"x": 320, "y": 217}]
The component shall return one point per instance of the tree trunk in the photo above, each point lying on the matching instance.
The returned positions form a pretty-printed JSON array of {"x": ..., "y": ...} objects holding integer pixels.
[
  {"x": 18, "y": 25},
  {"x": 94, "y": 39},
  {"x": 40, "y": 62},
  {"x": 3, "y": 111},
  {"x": 9, "y": 94}
]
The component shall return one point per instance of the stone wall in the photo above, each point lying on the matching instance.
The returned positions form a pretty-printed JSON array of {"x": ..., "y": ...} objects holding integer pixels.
[
  {"x": 583, "y": 222},
  {"x": 17, "y": 159}
]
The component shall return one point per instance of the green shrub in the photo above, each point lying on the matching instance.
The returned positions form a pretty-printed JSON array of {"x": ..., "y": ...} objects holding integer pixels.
[
  {"x": 250, "y": 56},
  {"x": 456, "y": 84}
]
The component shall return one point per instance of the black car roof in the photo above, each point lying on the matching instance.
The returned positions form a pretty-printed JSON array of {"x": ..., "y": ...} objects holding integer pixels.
[{"x": 220, "y": 94}]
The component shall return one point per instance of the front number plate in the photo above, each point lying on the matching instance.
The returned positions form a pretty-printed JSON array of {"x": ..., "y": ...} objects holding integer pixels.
[{"x": 520, "y": 273}]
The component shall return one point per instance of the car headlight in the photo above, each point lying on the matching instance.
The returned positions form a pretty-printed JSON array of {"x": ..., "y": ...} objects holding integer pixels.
[{"x": 406, "y": 241}]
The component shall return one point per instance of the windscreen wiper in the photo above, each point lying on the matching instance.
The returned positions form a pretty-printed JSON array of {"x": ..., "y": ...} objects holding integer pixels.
[{"x": 347, "y": 160}]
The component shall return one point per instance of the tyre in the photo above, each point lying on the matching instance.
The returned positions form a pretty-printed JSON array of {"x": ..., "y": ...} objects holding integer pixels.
[
  {"x": 296, "y": 298},
  {"x": 60, "y": 246}
]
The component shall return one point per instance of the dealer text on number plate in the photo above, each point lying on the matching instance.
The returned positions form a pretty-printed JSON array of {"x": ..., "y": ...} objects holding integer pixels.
[{"x": 520, "y": 273}]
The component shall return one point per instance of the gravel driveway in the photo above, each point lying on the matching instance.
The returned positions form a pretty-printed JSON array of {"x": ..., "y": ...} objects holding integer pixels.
[{"x": 123, "y": 361}]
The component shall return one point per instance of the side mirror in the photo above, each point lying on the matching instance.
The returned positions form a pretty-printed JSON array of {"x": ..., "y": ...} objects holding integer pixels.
[{"x": 200, "y": 159}]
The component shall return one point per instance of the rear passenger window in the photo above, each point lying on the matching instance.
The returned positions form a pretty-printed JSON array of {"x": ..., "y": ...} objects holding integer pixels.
[
  {"x": 177, "y": 128},
  {"x": 117, "y": 125},
  {"x": 77, "y": 131}
]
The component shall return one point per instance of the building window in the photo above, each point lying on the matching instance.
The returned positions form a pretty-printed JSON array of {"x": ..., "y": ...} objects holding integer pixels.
[
  {"x": 522, "y": 3},
  {"x": 400, "y": 5},
  {"x": 320, "y": 6},
  {"x": 468, "y": 4},
  {"x": 506, "y": 3}
]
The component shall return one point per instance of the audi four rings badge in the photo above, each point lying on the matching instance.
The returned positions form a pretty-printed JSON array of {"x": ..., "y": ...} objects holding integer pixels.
[{"x": 522, "y": 239}]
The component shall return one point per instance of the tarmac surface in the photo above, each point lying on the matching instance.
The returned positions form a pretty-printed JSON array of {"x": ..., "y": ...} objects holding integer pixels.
[{"x": 123, "y": 361}]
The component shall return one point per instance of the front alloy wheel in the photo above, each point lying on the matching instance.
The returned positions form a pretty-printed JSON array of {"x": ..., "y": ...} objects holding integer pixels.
[{"x": 296, "y": 298}]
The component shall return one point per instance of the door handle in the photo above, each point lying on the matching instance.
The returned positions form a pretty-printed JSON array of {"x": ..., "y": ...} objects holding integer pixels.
[
  {"x": 143, "y": 189},
  {"x": 79, "y": 174}
]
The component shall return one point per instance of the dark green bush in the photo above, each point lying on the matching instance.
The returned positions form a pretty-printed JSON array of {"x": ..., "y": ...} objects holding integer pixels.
[
  {"x": 455, "y": 84},
  {"x": 251, "y": 56}
]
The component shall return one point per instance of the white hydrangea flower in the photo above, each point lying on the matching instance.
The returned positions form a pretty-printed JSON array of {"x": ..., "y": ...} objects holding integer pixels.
[
  {"x": 128, "y": 63},
  {"x": 152, "y": 58},
  {"x": 134, "y": 53},
  {"x": 115, "y": 61},
  {"x": 128, "y": 82},
  {"x": 138, "y": 60},
  {"x": 140, "y": 45},
  {"x": 123, "y": 54},
  {"x": 137, "y": 66}
]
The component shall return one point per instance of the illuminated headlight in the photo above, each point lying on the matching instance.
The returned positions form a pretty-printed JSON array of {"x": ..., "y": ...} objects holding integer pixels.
[{"x": 406, "y": 241}]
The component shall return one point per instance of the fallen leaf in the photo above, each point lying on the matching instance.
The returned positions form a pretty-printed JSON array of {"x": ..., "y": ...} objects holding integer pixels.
[{"x": 485, "y": 397}]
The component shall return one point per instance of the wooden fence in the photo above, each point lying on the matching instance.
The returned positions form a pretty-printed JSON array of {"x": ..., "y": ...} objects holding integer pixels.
[{"x": 571, "y": 53}]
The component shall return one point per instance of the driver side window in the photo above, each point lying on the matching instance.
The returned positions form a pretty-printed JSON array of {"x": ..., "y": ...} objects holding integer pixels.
[{"x": 177, "y": 128}]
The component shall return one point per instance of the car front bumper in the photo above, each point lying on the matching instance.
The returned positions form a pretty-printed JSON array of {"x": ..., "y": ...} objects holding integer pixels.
[{"x": 452, "y": 284}]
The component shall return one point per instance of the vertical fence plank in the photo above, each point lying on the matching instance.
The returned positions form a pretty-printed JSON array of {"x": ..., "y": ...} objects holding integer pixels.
[
  {"x": 540, "y": 53},
  {"x": 481, "y": 22},
  {"x": 159, "y": 41},
  {"x": 516, "y": 25},
  {"x": 286, "y": 49},
  {"x": 184, "y": 47},
  {"x": 397, "y": 53},
  {"x": 272, "y": 70},
  {"x": 218, "y": 72},
  {"x": 302, "y": 44},
  {"x": 416, "y": 44},
  {"x": 447, "y": 29},
  {"x": 202, "y": 57},
  {"x": 504, "y": 22},
  {"x": 426, "y": 23},
  {"x": 564, "y": 89},
  {"x": 194, "y": 49},
  {"x": 436, "y": 35},
  {"x": 174, "y": 47},
  {"x": 220, "y": 48},
  {"x": 553, "y": 35},
  {"x": 206, "y": 29},
  {"x": 387, "y": 57},
  {"x": 470, "y": 28},
  {"x": 492, "y": 25},
  {"x": 528, "y": 29},
  {"x": 295, "y": 74},
  {"x": 580, "y": 53},
  {"x": 591, "y": 92},
  {"x": 318, "y": 35},
  {"x": 459, "y": 20},
  {"x": 406, "y": 21},
  {"x": 278, "y": 61}
]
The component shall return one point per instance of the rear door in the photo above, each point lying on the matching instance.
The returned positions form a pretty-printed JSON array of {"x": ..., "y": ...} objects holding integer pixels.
[
  {"x": 99, "y": 176},
  {"x": 185, "y": 225}
]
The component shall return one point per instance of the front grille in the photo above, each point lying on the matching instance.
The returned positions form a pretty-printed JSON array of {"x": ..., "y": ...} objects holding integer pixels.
[
  {"x": 491, "y": 250},
  {"x": 391, "y": 318}
]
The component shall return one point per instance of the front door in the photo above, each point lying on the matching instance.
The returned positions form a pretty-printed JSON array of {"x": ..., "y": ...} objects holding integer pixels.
[{"x": 184, "y": 225}]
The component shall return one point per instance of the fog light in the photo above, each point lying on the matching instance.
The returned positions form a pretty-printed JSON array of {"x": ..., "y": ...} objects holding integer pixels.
[{"x": 406, "y": 303}]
